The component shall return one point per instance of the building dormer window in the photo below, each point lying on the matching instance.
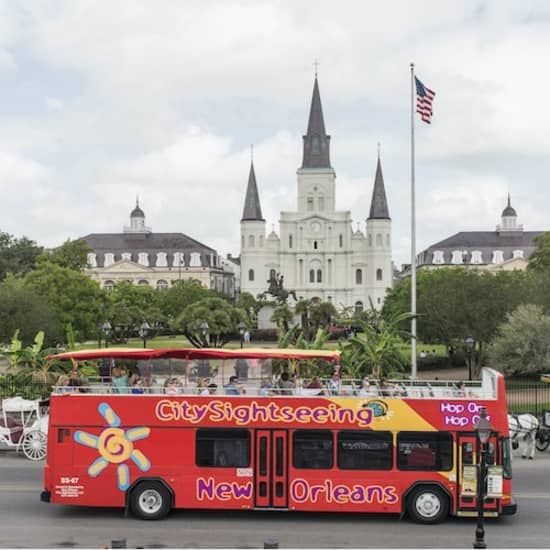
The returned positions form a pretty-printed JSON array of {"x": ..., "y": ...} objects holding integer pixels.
[
  {"x": 143, "y": 258},
  {"x": 438, "y": 257},
  {"x": 91, "y": 259},
  {"x": 126, "y": 256},
  {"x": 517, "y": 254},
  {"x": 109, "y": 259},
  {"x": 179, "y": 260},
  {"x": 498, "y": 257},
  {"x": 457, "y": 257},
  {"x": 161, "y": 259},
  {"x": 476, "y": 257},
  {"x": 195, "y": 259}
]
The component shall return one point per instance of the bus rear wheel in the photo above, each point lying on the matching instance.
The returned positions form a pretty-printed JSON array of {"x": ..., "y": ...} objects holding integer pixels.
[
  {"x": 150, "y": 500},
  {"x": 428, "y": 505}
]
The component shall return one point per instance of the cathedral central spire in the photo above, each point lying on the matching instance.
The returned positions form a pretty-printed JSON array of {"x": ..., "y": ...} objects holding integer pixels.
[
  {"x": 316, "y": 142},
  {"x": 379, "y": 204},
  {"x": 252, "y": 209}
]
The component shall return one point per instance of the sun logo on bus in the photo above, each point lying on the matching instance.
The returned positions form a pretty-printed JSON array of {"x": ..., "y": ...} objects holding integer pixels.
[{"x": 115, "y": 446}]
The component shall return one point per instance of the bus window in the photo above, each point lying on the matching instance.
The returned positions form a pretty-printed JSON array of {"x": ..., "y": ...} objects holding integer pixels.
[
  {"x": 312, "y": 449},
  {"x": 506, "y": 458},
  {"x": 425, "y": 451},
  {"x": 467, "y": 453},
  {"x": 223, "y": 448},
  {"x": 361, "y": 450}
]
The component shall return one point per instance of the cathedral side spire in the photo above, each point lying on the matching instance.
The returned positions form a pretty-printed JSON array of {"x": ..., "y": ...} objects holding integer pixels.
[
  {"x": 379, "y": 204},
  {"x": 316, "y": 142},
  {"x": 252, "y": 209}
]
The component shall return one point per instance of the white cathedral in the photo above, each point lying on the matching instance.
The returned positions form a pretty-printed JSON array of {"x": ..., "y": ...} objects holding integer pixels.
[{"x": 317, "y": 251}]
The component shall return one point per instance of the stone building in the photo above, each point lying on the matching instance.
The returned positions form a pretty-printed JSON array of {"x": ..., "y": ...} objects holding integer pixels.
[
  {"x": 155, "y": 259},
  {"x": 506, "y": 248},
  {"x": 316, "y": 250}
]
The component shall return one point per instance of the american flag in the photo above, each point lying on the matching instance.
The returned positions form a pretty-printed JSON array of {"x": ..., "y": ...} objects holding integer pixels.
[{"x": 424, "y": 98}]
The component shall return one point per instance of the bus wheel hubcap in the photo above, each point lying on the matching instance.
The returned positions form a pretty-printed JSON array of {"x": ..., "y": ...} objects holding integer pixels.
[
  {"x": 150, "y": 501},
  {"x": 428, "y": 505}
]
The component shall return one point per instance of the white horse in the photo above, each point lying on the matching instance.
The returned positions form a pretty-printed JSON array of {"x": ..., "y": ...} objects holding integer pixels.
[{"x": 523, "y": 427}]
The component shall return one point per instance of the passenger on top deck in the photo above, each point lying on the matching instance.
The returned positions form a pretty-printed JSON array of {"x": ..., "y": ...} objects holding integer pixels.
[
  {"x": 335, "y": 384},
  {"x": 285, "y": 384},
  {"x": 367, "y": 389},
  {"x": 233, "y": 388},
  {"x": 120, "y": 380}
]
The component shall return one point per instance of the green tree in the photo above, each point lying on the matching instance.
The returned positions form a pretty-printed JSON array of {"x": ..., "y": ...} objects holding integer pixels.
[
  {"x": 540, "y": 258},
  {"x": 221, "y": 317},
  {"x": 523, "y": 343},
  {"x": 71, "y": 254},
  {"x": 376, "y": 349},
  {"x": 282, "y": 316},
  {"x": 17, "y": 256},
  {"x": 251, "y": 306},
  {"x": 22, "y": 308},
  {"x": 129, "y": 305},
  {"x": 174, "y": 300},
  {"x": 73, "y": 296}
]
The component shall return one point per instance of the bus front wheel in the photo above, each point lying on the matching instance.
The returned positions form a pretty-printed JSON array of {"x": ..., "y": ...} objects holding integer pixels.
[
  {"x": 428, "y": 504},
  {"x": 150, "y": 500}
]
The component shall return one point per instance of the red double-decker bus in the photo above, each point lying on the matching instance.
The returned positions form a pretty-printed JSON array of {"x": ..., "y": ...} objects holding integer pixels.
[{"x": 191, "y": 435}]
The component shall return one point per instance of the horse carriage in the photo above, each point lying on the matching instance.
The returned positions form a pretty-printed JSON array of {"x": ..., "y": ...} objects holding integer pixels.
[{"x": 24, "y": 426}]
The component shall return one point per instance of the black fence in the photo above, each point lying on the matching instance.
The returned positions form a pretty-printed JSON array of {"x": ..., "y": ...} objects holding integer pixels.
[
  {"x": 28, "y": 390},
  {"x": 527, "y": 396}
]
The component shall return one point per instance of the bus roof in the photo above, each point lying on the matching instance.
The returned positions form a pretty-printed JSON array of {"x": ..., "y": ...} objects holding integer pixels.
[{"x": 198, "y": 353}]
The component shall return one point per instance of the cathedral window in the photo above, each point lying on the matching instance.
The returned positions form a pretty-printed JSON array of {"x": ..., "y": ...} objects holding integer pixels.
[
  {"x": 242, "y": 241},
  {"x": 108, "y": 285},
  {"x": 312, "y": 275},
  {"x": 162, "y": 285},
  {"x": 272, "y": 274},
  {"x": 388, "y": 239},
  {"x": 290, "y": 241},
  {"x": 358, "y": 307},
  {"x": 251, "y": 241},
  {"x": 378, "y": 274},
  {"x": 329, "y": 274},
  {"x": 319, "y": 276},
  {"x": 315, "y": 245},
  {"x": 261, "y": 240},
  {"x": 310, "y": 204},
  {"x": 315, "y": 145},
  {"x": 370, "y": 239},
  {"x": 340, "y": 240},
  {"x": 358, "y": 276},
  {"x": 321, "y": 203},
  {"x": 143, "y": 282},
  {"x": 378, "y": 239},
  {"x": 250, "y": 274}
]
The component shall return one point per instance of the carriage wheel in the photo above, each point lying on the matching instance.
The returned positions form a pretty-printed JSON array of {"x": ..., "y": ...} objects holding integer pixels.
[
  {"x": 33, "y": 445},
  {"x": 542, "y": 441}
]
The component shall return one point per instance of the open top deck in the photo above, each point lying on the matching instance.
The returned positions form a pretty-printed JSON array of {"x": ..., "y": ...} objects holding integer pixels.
[{"x": 211, "y": 371}]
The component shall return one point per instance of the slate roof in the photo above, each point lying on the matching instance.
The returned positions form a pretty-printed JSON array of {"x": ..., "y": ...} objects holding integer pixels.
[
  {"x": 316, "y": 142},
  {"x": 252, "y": 209},
  {"x": 484, "y": 241},
  {"x": 379, "y": 205},
  {"x": 151, "y": 243}
]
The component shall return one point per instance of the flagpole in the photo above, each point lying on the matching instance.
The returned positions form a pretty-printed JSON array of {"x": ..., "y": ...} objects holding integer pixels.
[{"x": 413, "y": 240}]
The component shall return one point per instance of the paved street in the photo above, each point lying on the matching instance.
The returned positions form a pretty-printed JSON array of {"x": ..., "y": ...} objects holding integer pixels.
[{"x": 26, "y": 522}]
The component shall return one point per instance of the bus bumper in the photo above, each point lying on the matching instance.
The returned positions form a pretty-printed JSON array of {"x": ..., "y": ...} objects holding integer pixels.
[
  {"x": 45, "y": 496},
  {"x": 510, "y": 509}
]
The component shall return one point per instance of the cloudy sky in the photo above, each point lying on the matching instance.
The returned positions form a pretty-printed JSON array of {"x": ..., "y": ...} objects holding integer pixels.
[{"x": 102, "y": 101}]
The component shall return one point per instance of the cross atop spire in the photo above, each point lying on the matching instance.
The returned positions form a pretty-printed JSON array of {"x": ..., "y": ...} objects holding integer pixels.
[
  {"x": 252, "y": 209},
  {"x": 316, "y": 65},
  {"x": 316, "y": 142}
]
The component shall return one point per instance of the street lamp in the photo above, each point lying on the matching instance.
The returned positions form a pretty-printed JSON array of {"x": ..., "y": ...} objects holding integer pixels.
[
  {"x": 106, "y": 329},
  {"x": 242, "y": 328},
  {"x": 144, "y": 332},
  {"x": 470, "y": 343},
  {"x": 483, "y": 430},
  {"x": 203, "y": 327}
]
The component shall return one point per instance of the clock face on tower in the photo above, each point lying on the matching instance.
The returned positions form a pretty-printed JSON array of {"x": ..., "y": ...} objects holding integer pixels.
[{"x": 315, "y": 227}]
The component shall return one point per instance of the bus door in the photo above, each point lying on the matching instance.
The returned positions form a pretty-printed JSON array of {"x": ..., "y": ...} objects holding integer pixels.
[
  {"x": 467, "y": 462},
  {"x": 271, "y": 471}
]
